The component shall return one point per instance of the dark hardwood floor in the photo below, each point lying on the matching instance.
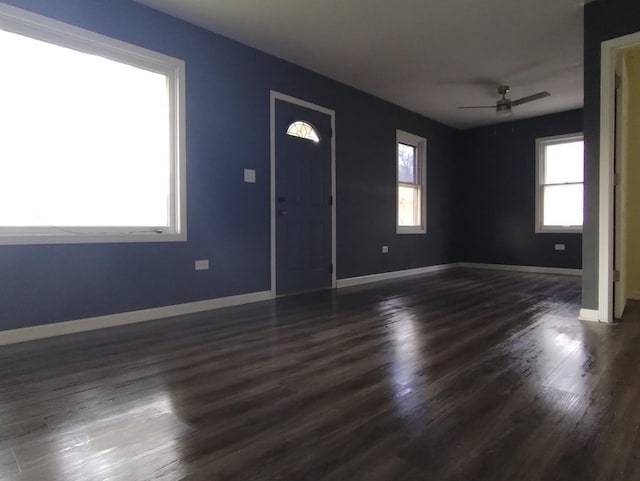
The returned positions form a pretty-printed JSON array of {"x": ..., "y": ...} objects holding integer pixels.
[{"x": 459, "y": 375}]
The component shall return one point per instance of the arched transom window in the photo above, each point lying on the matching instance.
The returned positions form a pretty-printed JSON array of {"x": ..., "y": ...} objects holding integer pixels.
[{"x": 303, "y": 130}]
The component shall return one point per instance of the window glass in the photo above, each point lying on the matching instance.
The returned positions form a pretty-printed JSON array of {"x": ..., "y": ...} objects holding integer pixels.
[
  {"x": 85, "y": 139},
  {"x": 408, "y": 206},
  {"x": 303, "y": 130},
  {"x": 563, "y": 205},
  {"x": 406, "y": 163},
  {"x": 564, "y": 163}
]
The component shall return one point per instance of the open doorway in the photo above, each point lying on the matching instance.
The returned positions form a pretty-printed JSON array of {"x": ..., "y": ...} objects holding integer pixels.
[
  {"x": 613, "y": 238},
  {"x": 627, "y": 180}
]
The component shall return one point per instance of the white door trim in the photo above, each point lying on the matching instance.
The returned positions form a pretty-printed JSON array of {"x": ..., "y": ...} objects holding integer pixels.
[
  {"x": 608, "y": 54},
  {"x": 302, "y": 103},
  {"x": 620, "y": 190}
]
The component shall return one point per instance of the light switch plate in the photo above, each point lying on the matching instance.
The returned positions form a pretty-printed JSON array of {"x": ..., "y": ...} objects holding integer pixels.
[
  {"x": 250, "y": 176},
  {"x": 385, "y": 249},
  {"x": 560, "y": 247},
  {"x": 202, "y": 265}
]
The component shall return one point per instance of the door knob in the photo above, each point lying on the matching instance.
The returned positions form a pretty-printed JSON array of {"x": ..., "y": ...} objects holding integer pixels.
[{"x": 282, "y": 212}]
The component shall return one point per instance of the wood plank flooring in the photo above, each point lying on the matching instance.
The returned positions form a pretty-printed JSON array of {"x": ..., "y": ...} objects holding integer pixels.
[{"x": 458, "y": 375}]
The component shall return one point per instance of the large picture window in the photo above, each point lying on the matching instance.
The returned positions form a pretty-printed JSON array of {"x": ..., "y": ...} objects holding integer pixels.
[
  {"x": 411, "y": 183},
  {"x": 560, "y": 188},
  {"x": 92, "y": 136}
]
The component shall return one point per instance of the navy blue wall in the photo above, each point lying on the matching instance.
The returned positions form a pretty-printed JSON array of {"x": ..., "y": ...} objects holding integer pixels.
[
  {"x": 228, "y": 130},
  {"x": 603, "y": 20},
  {"x": 496, "y": 195}
]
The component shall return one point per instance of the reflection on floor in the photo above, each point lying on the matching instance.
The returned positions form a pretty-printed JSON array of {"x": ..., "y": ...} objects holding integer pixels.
[{"x": 459, "y": 375}]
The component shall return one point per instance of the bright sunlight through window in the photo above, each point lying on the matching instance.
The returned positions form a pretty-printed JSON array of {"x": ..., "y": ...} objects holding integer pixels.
[
  {"x": 560, "y": 183},
  {"x": 411, "y": 177},
  {"x": 89, "y": 143}
]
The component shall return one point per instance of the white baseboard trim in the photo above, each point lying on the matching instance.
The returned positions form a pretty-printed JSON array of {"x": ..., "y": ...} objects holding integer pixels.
[
  {"x": 384, "y": 276},
  {"x": 533, "y": 269},
  {"x": 591, "y": 315},
  {"x": 15, "y": 336},
  {"x": 633, "y": 295}
]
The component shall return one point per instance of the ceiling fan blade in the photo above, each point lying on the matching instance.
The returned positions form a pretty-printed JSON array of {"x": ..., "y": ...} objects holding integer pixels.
[
  {"x": 479, "y": 107},
  {"x": 530, "y": 98}
]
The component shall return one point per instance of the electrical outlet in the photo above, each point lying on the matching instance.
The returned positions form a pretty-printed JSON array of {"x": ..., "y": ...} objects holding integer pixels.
[
  {"x": 559, "y": 247},
  {"x": 385, "y": 249},
  {"x": 202, "y": 265}
]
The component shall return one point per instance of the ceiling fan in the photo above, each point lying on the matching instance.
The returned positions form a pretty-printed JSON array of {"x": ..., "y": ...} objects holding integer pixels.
[{"x": 504, "y": 105}]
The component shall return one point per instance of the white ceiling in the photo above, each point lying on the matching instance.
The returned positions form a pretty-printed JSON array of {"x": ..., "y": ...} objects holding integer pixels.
[{"x": 429, "y": 56}]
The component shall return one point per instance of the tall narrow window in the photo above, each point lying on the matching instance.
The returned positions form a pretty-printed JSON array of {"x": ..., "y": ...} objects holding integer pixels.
[
  {"x": 560, "y": 189},
  {"x": 91, "y": 136},
  {"x": 411, "y": 183}
]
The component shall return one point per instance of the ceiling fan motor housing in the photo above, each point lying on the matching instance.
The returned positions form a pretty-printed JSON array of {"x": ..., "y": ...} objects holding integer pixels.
[{"x": 503, "y": 105}]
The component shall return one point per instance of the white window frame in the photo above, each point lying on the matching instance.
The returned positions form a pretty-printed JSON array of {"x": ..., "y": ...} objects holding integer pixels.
[
  {"x": 420, "y": 144},
  {"x": 42, "y": 28},
  {"x": 541, "y": 144}
]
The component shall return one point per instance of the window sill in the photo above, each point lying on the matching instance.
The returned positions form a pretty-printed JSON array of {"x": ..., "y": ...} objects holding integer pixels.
[
  {"x": 410, "y": 230},
  {"x": 558, "y": 230},
  {"x": 45, "y": 239}
]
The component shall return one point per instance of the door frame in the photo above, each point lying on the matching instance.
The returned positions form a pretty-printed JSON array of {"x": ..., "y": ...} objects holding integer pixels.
[
  {"x": 620, "y": 292},
  {"x": 609, "y": 51},
  {"x": 274, "y": 95}
]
